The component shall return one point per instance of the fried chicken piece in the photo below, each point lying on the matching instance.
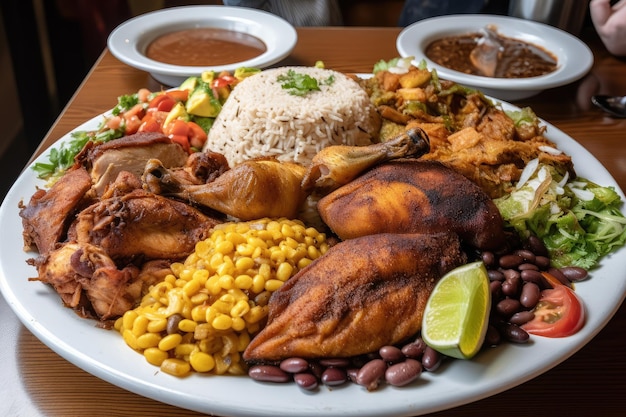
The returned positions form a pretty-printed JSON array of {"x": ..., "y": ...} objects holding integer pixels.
[
  {"x": 251, "y": 190},
  {"x": 412, "y": 196},
  {"x": 44, "y": 219},
  {"x": 364, "y": 293},
  {"x": 338, "y": 165},
  {"x": 129, "y": 153},
  {"x": 141, "y": 225},
  {"x": 88, "y": 280}
]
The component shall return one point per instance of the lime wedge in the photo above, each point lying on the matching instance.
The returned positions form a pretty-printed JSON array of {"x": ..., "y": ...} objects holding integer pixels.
[{"x": 457, "y": 312}]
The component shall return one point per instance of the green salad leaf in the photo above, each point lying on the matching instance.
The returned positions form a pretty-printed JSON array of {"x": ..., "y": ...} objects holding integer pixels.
[{"x": 579, "y": 221}]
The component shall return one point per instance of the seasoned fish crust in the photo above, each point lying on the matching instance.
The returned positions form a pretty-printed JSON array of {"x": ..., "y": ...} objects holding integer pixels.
[{"x": 363, "y": 294}]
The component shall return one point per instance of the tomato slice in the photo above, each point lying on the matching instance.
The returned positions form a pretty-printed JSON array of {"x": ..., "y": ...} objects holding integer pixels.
[{"x": 559, "y": 312}]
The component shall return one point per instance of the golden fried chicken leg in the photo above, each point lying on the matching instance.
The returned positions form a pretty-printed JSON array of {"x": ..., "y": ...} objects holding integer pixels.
[
  {"x": 412, "y": 196},
  {"x": 363, "y": 294}
]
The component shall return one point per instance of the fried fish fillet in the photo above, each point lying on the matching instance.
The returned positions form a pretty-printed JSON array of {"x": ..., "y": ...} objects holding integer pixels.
[
  {"x": 363, "y": 294},
  {"x": 413, "y": 196}
]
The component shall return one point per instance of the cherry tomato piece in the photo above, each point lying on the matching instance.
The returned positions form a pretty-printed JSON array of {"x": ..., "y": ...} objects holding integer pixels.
[
  {"x": 559, "y": 312},
  {"x": 162, "y": 102},
  {"x": 178, "y": 95},
  {"x": 182, "y": 141},
  {"x": 197, "y": 135},
  {"x": 149, "y": 124}
]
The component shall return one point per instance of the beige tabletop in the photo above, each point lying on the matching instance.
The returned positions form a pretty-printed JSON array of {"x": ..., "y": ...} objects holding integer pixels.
[{"x": 35, "y": 381}]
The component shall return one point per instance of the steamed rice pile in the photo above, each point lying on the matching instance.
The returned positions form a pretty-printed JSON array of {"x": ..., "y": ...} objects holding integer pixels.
[{"x": 260, "y": 118}]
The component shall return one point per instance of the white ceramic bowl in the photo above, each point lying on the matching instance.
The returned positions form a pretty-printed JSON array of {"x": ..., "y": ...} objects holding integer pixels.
[
  {"x": 130, "y": 39},
  {"x": 573, "y": 56}
]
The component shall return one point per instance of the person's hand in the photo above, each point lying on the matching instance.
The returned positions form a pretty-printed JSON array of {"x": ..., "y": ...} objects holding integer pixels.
[{"x": 610, "y": 23}]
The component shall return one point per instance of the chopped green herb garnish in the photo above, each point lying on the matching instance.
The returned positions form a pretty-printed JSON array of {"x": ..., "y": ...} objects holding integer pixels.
[
  {"x": 301, "y": 84},
  {"x": 125, "y": 102}
]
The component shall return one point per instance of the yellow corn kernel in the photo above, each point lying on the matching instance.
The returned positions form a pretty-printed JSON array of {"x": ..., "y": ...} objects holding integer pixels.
[
  {"x": 225, "y": 247},
  {"x": 213, "y": 285},
  {"x": 240, "y": 308},
  {"x": 128, "y": 318},
  {"x": 176, "y": 367},
  {"x": 265, "y": 270},
  {"x": 130, "y": 339},
  {"x": 226, "y": 282},
  {"x": 199, "y": 298},
  {"x": 184, "y": 349},
  {"x": 198, "y": 313},
  {"x": 222, "y": 322},
  {"x": 243, "y": 341},
  {"x": 258, "y": 252},
  {"x": 304, "y": 262},
  {"x": 170, "y": 341},
  {"x": 185, "y": 274},
  {"x": 155, "y": 356},
  {"x": 192, "y": 287},
  {"x": 278, "y": 256},
  {"x": 244, "y": 263},
  {"x": 216, "y": 260},
  {"x": 187, "y": 325},
  {"x": 256, "y": 242},
  {"x": 273, "y": 284},
  {"x": 158, "y": 325},
  {"x": 225, "y": 268},
  {"x": 238, "y": 324},
  {"x": 148, "y": 340},
  {"x": 201, "y": 361},
  {"x": 140, "y": 326},
  {"x": 258, "y": 283},
  {"x": 283, "y": 272},
  {"x": 255, "y": 314},
  {"x": 243, "y": 281}
]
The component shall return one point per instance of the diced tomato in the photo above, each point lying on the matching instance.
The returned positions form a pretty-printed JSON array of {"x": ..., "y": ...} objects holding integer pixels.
[
  {"x": 176, "y": 127},
  {"x": 132, "y": 125},
  {"x": 136, "y": 110},
  {"x": 178, "y": 95},
  {"x": 181, "y": 140},
  {"x": 143, "y": 95},
  {"x": 559, "y": 313},
  {"x": 114, "y": 122},
  {"x": 197, "y": 135},
  {"x": 149, "y": 124},
  {"x": 158, "y": 116},
  {"x": 223, "y": 81},
  {"x": 162, "y": 102}
]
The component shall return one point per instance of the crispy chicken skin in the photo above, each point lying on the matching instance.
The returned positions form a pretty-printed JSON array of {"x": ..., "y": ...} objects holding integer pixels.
[
  {"x": 363, "y": 294},
  {"x": 44, "y": 219},
  {"x": 141, "y": 225},
  {"x": 410, "y": 196}
]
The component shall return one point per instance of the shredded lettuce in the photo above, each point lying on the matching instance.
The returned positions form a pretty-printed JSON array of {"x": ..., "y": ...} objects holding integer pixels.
[{"x": 579, "y": 221}]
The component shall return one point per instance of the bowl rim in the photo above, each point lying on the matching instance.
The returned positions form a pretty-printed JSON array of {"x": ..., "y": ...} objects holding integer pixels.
[
  {"x": 574, "y": 57},
  {"x": 128, "y": 41}
]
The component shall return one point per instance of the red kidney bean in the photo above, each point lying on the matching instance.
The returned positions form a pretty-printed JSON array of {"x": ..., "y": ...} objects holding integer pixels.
[
  {"x": 510, "y": 261},
  {"x": 334, "y": 376},
  {"x": 431, "y": 359},
  {"x": 574, "y": 273},
  {"x": 525, "y": 266},
  {"x": 371, "y": 374},
  {"x": 511, "y": 274},
  {"x": 496, "y": 289},
  {"x": 556, "y": 273},
  {"x": 414, "y": 350},
  {"x": 530, "y": 295},
  {"x": 316, "y": 369},
  {"x": 351, "y": 373},
  {"x": 403, "y": 373},
  {"x": 532, "y": 276},
  {"x": 511, "y": 287},
  {"x": 337, "y": 362},
  {"x": 543, "y": 262},
  {"x": 391, "y": 354},
  {"x": 492, "y": 336},
  {"x": 526, "y": 255},
  {"x": 495, "y": 275},
  {"x": 268, "y": 373},
  {"x": 514, "y": 333},
  {"x": 294, "y": 365},
  {"x": 521, "y": 317},
  {"x": 488, "y": 258},
  {"x": 508, "y": 307},
  {"x": 537, "y": 246},
  {"x": 306, "y": 381}
]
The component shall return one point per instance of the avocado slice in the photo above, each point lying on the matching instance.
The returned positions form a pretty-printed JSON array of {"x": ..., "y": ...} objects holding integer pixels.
[{"x": 202, "y": 102}]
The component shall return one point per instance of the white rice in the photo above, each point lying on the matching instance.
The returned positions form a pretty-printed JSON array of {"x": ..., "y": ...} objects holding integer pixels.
[{"x": 260, "y": 118}]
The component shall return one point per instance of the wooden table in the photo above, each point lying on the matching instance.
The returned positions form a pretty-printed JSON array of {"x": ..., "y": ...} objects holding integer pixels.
[{"x": 37, "y": 382}]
